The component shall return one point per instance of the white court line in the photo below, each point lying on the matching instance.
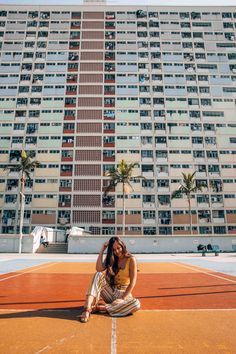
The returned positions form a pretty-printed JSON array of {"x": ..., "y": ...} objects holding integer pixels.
[
  {"x": 114, "y": 342},
  {"x": 113, "y": 336},
  {"x": 202, "y": 271},
  {"x": 187, "y": 310},
  {"x": 7, "y": 259},
  {"x": 43, "y": 349},
  {"x": 28, "y": 271}
]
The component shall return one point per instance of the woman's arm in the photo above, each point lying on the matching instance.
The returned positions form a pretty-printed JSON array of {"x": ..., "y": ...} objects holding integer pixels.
[
  {"x": 99, "y": 265},
  {"x": 133, "y": 277}
]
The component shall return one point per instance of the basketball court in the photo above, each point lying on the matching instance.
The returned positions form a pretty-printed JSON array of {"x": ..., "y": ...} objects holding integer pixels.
[{"x": 188, "y": 306}]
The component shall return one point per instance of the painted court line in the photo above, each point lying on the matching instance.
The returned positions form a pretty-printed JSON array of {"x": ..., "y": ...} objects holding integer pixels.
[
  {"x": 188, "y": 310},
  {"x": 202, "y": 271},
  {"x": 28, "y": 271},
  {"x": 113, "y": 336},
  {"x": 43, "y": 349}
]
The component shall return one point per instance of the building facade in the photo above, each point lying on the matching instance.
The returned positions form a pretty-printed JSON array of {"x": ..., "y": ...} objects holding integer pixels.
[{"x": 83, "y": 87}]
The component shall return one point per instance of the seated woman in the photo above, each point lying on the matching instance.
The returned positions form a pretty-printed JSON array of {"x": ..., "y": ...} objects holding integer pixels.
[{"x": 113, "y": 282}]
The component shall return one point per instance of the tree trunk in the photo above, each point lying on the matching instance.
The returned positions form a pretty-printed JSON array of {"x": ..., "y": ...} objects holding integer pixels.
[
  {"x": 190, "y": 214},
  {"x": 22, "y": 205},
  {"x": 123, "y": 215}
]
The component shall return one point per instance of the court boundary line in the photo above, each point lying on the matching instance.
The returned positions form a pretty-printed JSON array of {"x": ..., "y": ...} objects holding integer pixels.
[
  {"x": 202, "y": 271},
  {"x": 187, "y": 310},
  {"x": 114, "y": 319},
  {"x": 113, "y": 336},
  {"x": 28, "y": 271}
]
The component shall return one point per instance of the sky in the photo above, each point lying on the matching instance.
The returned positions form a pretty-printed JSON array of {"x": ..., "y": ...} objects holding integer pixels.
[{"x": 130, "y": 2}]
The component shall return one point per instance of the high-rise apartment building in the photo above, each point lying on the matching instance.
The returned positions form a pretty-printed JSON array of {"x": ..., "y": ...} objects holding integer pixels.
[{"x": 83, "y": 87}]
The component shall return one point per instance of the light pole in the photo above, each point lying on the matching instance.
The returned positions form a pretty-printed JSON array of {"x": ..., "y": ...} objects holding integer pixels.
[{"x": 22, "y": 208}]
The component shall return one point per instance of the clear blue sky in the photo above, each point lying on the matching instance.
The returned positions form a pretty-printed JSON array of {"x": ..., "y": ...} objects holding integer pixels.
[{"x": 130, "y": 2}]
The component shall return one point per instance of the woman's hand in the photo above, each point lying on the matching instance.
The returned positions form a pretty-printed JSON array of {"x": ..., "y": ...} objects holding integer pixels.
[
  {"x": 104, "y": 246},
  {"x": 100, "y": 264},
  {"x": 117, "y": 301}
]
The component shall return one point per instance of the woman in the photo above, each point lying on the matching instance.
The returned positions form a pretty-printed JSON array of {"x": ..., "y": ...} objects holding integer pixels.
[{"x": 113, "y": 282}]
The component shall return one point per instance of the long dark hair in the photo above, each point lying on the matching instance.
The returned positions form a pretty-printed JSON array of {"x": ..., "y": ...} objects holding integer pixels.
[{"x": 111, "y": 260}]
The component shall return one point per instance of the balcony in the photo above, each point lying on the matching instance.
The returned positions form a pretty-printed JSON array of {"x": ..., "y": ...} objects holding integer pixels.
[
  {"x": 218, "y": 220},
  {"x": 68, "y": 143},
  {"x": 109, "y": 144},
  {"x": 147, "y": 174},
  {"x": 74, "y": 45},
  {"x": 110, "y": 25},
  {"x": 64, "y": 204},
  {"x": 164, "y": 221},
  {"x": 65, "y": 189},
  {"x": 66, "y": 173},
  {"x": 109, "y": 131},
  {"x": 109, "y": 78},
  {"x": 163, "y": 189},
  {"x": 66, "y": 158},
  {"x": 17, "y": 146},
  {"x": 151, "y": 221},
  {"x": 108, "y": 201},
  {"x": 148, "y": 205},
  {"x": 8, "y": 221},
  {"x": 76, "y": 15},
  {"x": 109, "y": 102},
  {"x": 203, "y": 204},
  {"x": 108, "y": 221},
  {"x": 204, "y": 220},
  {"x": 63, "y": 221},
  {"x": 11, "y": 204},
  {"x": 13, "y": 189},
  {"x": 70, "y": 104},
  {"x": 109, "y": 158},
  {"x": 75, "y": 25},
  {"x": 71, "y": 79},
  {"x": 69, "y": 117}
]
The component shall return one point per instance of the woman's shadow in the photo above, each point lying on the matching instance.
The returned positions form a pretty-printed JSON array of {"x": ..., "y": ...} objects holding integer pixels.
[{"x": 67, "y": 313}]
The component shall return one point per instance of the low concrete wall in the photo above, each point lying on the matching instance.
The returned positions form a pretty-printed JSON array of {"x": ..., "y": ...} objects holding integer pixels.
[
  {"x": 135, "y": 244},
  {"x": 152, "y": 244},
  {"x": 10, "y": 244}
]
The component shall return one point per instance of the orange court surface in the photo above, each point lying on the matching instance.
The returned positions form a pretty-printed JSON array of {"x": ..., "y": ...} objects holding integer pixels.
[{"x": 188, "y": 306}]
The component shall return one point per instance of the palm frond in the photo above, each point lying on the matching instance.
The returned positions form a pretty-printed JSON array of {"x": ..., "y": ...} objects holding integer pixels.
[
  {"x": 25, "y": 166},
  {"x": 121, "y": 174},
  {"x": 138, "y": 177},
  {"x": 187, "y": 187},
  {"x": 110, "y": 186},
  {"x": 177, "y": 193}
]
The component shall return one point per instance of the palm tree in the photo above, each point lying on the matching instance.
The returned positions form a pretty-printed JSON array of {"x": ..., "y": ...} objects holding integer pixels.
[
  {"x": 122, "y": 175},
  {"x": 25, "y": 166},
  {"x": 187, "y": 188}
]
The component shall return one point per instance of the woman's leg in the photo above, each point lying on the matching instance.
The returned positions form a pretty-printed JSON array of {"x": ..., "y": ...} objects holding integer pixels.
[
  {"x": 98, "y": 282},
  {"x": 123, "y": 308},
  {"x": 98, "y": 288},
  {"x": 92, "y": 295}
]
